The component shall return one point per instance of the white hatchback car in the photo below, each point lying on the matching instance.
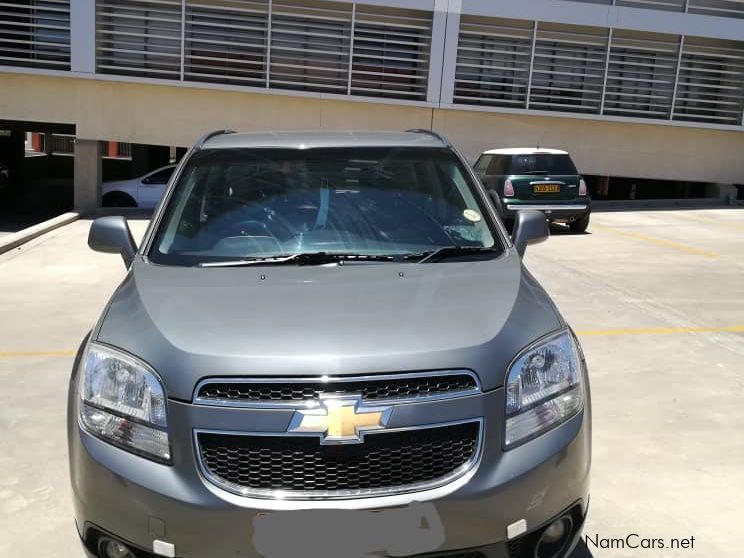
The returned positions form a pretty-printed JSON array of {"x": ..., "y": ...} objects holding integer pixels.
[{"x": 144, "y": 191}]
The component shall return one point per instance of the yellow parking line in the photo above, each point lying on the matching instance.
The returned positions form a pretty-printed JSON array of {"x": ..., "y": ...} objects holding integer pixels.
[
  {"x": 14, "y": 354},
  {"x": 658, "y": 330},
  {"x": 659, "y": 241}
]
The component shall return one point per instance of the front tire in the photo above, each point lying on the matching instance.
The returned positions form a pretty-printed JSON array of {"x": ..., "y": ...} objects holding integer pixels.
[
  {"x": 118, "y": 199},
  {"x": 580, "y": 225}
]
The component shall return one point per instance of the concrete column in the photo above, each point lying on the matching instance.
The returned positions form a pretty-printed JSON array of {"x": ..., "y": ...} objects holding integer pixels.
[
  {"x": 436, "y": 52},
  {"x": 87, "y": 175},
  {"x": 83, "y": 36},
  {"x": 727, "y": 193},
  {"x": 48, "y": 143},
  {"x": 449, "y": 56}
]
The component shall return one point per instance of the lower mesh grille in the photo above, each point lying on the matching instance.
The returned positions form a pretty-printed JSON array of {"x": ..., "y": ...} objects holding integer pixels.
[{"x": 384, "y": 463}]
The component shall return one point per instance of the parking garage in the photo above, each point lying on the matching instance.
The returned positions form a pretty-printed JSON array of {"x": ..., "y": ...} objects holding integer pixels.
[
  {"x": 648, "y": 104},
  {"x": 39, "y": 163}
]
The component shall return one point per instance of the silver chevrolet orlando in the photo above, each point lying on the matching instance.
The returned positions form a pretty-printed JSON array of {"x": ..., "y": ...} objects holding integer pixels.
[{"x": 326, "y": 346}]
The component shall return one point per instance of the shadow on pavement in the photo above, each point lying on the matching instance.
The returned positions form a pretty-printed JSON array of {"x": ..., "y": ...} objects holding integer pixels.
[
  {"x": 24, "y": 205},
  {"x": 558, "y": 229},
  {"x": 660, "y": 205},
  {"x": 13, "y": 220}
]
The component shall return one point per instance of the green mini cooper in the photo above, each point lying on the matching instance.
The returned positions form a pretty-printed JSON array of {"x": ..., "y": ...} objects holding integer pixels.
[{"x": 536, "y": 178}]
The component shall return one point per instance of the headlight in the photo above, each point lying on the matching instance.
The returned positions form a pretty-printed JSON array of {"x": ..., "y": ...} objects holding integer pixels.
[
  {"x": 543, "y": 388},
  {"x": 123, "y": 402}
]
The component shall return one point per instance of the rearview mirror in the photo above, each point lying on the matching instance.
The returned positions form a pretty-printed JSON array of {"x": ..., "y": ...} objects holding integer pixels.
[
  {"x": 111, "y": 235},
  {"x": 530, "y": 227}
]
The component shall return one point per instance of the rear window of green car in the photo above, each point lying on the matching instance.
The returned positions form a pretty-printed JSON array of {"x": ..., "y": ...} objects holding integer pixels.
[{"x": 534, "y": 163}]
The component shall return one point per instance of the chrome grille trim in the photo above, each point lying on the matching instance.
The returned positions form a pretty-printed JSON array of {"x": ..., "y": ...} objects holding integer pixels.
[
  {"x": 296, "y": 495},
  {"x": 293, "y": 404}
]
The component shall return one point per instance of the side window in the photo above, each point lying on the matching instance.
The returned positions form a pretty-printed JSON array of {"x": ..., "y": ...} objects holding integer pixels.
[
  {"x": 498, "y": 165},
  {"x": 160, "y": 177}
]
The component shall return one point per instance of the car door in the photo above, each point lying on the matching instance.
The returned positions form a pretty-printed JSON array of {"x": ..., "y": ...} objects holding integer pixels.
[{"x": 152, "y": 186}]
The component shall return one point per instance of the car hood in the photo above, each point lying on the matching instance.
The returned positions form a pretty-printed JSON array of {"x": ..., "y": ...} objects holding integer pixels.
[{"x": 190, "y": 323}]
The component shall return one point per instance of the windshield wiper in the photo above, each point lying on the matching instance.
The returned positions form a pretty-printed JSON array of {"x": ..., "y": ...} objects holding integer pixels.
[
  {"x": 303, "y": 258},
  {"x": 450, "y": 252},
  {"x": 535, "y": 172}
]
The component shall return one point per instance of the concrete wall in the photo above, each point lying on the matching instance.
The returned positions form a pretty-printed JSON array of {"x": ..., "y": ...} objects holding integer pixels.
[{"x": 176, "y": 115}]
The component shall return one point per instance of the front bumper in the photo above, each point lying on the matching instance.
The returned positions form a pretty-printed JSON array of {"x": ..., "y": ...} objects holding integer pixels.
[
  {"x": 139, "y": 501},
  {"x": 520, "y": 547}
]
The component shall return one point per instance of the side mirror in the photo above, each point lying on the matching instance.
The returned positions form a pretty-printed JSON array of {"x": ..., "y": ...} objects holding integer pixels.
[
  {"x": 111, "y": 235},
  {"x": 530, "y": 227}
]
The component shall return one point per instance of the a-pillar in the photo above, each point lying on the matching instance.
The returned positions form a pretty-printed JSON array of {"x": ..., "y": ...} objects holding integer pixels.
[{"x": 87, "y": 175}]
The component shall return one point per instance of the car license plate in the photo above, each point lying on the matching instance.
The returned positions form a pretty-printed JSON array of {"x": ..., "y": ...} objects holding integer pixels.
[{"x": 546, "y": 188}]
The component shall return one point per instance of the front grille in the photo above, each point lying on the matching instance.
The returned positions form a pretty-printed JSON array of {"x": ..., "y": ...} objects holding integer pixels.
[
  {"x": 385, "y": 463},
  {"x": 370, "y": 389}
]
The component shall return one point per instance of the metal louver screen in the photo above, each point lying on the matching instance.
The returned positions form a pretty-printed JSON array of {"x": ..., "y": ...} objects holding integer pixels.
[
  {"x": 390, "y": 52},
  {"x": 720, "y": 8},
  {"x": 310, "y": 45},
  {"x": 225, "y": 41},
  {"x": 711, "y": 82},
  {"x": 568, "y": 68},
  {"x": 572, "y": 71},
  {"x": 640, "y": 75},
  {"x": 493, "y": 60},
  {"x": 35, "y": 34},
  {"x": 138, "y": 37},
  {"x": 666, "y": 5}
]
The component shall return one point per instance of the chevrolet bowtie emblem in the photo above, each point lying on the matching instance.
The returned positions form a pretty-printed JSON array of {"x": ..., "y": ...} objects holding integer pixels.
[{"x": 339, "y": 420}]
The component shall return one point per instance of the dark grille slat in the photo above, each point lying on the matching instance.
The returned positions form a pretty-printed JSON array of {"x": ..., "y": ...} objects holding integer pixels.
[
  {"x": 370, "y": 389},
  {"x": 389, "y": 461}
]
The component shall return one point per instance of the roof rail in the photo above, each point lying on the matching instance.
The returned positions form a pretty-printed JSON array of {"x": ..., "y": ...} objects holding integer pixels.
[
  {"x": 209, "y": 135},
  {"x": 431, "y": 133}
]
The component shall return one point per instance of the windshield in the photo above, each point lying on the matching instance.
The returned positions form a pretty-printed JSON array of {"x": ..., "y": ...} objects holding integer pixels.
[
  {"x": 261, "y": 203},
  {"x": 537, "y": 163}
]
